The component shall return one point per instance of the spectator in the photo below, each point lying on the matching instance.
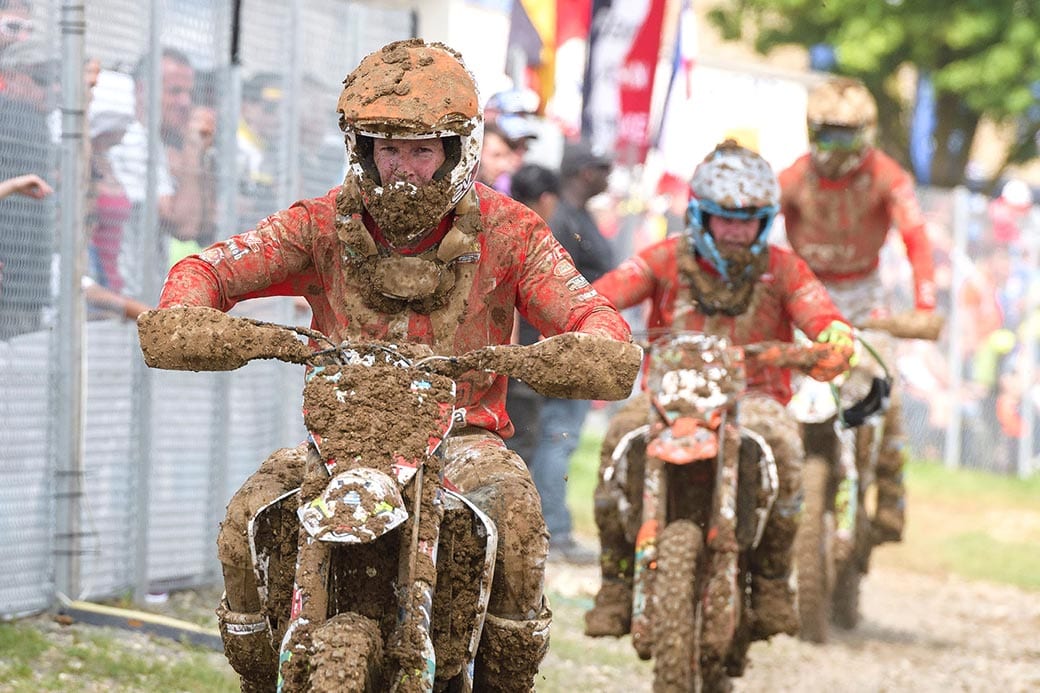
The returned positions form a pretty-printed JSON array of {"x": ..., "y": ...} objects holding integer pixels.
[
  {"x": 538, "y": 188},
  {"x": 323, "y": 162},
  {"x": 29, "y": 185},
  {"x": 1008, "y": 212},
  {"x": 498, "y": 158},
  {"x": 108, "y": 117},
  {"x": 26, "y": 221},
  {"x": 187, "y": 134},
  {"x": 583, "y": 173},
  {"x": 258, "y": 132}
]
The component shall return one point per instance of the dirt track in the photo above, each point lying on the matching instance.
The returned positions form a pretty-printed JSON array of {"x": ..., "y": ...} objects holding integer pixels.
[{"x": 919, "y": 633}]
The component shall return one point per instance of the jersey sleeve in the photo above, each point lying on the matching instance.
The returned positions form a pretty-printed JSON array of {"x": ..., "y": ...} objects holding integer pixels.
[
  {"x": 807, "y": 301},
  {"x": 907, "y": 217},
  {"x": 245, "y": 265},
  {"x": 555, "y": 297}
]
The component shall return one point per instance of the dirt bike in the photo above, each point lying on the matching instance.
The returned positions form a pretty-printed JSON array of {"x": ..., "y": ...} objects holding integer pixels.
[
  {"x": 707, "y": 489},
  {"x": 385, "y": 569},
  {"x": 842, "y": 431}
]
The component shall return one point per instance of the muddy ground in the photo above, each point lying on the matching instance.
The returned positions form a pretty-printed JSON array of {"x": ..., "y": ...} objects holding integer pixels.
[{"x": 920, "y": 633}]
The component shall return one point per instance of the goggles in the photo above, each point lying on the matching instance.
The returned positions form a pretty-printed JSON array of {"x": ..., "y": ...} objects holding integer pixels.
[{"x": 836, "y": 139}]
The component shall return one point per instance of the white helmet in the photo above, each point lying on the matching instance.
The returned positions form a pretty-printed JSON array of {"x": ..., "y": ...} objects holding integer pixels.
[
  {"x": 842, "y": 118},
  {"x": 412, "y": 90},
  {"x": 732, "y": 182}
]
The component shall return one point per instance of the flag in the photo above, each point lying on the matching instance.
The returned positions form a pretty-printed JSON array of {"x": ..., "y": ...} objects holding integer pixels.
[
  {"x": 532, "y": 31},
  {"x": 624, "y": 44},
  {"x": 573, "y": 18}
]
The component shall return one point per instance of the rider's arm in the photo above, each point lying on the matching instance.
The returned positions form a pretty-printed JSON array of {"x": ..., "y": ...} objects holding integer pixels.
[
  {"x": 248, "y": 265},
  {"x": 906, "y": 215},
  {"x": 806, "y": 299},
  {"x": 554, "y": 296},
  {"x": 635, "y": 279}
]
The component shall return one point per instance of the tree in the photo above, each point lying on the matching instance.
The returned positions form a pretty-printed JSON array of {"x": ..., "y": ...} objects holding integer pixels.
[{"x": 983, "y": 57}]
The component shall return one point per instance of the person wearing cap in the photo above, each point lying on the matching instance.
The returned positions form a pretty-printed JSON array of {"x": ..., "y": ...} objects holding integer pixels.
[
  {"x": 583, "y": 175},
  {"x": 258, "y": 130},
  {"x": 26, "y": 223}
]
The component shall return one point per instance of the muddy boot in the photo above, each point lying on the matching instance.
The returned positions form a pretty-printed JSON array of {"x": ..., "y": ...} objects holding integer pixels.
[
  {"x": 612, "y": 612},
  {"x": 891, "y": 508},
  {"x": 774, "y": 607},
  {"x": 247, "y": 646},
  {"x": 510, "y": 652}
]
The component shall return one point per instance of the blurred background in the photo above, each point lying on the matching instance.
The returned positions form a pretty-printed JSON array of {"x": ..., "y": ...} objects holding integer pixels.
[{"x": 166, "y": 125}]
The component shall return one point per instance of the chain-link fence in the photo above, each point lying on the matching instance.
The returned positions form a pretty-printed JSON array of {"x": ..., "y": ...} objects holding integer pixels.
[{"x": 114, "y": 477}]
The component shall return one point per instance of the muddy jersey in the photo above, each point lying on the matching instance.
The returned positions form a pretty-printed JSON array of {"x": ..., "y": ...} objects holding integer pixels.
[
  {"x": 296, "y": 252},
  {"x": 839, "y": 226},
  {"x": 788, "y": 295}
]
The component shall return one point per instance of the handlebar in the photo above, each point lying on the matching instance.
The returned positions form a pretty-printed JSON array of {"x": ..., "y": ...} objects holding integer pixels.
[
  {"x": 571, "y": 365},
  {"x": 914, "y": 324}
]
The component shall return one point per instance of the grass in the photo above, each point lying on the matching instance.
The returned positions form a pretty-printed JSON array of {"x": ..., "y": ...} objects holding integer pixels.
[
  {"x": 89, "y": 659},
  {"x": 974, "y": 524}
]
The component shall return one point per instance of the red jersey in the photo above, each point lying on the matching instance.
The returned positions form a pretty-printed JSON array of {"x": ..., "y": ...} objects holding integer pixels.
[
  {"x": 839, "y": 226},
  {"x": 296, "y": 252},
  {"x": 788, "y": 295}
]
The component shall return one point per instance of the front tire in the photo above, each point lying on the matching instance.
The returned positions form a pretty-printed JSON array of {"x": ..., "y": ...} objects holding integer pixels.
[
  {"x": 814, "y": 553},
  {"x": 676, "y": 633},
  {"x": 347, "y": 655}
]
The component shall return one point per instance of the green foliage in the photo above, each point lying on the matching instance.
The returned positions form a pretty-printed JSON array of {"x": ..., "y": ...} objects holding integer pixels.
[{"x": 983, "y": 55}]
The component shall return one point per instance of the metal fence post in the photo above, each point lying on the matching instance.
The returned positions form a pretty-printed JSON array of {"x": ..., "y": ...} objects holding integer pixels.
[
  {"x": 147, "y": 247},
  {"x": 1028, "y": 343},
  {"x": 67, "y": 337},
  {"x": 959, "y": 255}
]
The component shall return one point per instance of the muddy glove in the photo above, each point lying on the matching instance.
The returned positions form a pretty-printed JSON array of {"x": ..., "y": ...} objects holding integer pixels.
[
  {"x": 837, "y": 336},
  {"x": 572, "y": 365},
  {"x": 197, "y": 338}
]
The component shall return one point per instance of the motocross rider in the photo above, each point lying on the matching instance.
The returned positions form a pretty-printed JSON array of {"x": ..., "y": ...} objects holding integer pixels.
[
  {"x": 838, "y": 203},
  {"x": 410, "y": 250},
  {"x": 720, "y": 277}
]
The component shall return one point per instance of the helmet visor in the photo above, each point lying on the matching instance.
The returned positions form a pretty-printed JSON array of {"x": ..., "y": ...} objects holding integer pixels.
[{"x": 831, "y": 138}]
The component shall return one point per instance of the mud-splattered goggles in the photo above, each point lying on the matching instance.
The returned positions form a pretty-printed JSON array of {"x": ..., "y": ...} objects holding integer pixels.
[{"x": 830, "y": 138}]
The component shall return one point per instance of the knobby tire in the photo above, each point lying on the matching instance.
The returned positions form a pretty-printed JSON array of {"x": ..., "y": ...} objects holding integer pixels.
[
  {"x": 814, "y": 553},
  {"x": 676, "y": 630}
]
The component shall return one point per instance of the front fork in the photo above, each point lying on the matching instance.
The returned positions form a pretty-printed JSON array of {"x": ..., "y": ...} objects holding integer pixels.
[
  {"x": 418, "y": 570},
  {"x": 720, "y": 592}
]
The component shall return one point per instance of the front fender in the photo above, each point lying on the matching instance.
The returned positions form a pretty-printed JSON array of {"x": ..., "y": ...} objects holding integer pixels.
[{"x": 356, "y": 507}]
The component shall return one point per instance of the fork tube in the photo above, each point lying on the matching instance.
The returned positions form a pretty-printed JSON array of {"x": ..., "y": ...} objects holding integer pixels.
[
  {"x": 655, "y": 489},
  {"x": 420, "y": 569}
]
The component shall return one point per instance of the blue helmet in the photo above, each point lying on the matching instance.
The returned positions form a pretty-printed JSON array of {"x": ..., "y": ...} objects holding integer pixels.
[{"x": 734, "y": 183}]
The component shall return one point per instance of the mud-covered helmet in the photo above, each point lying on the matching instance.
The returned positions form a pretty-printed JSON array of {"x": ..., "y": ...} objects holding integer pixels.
[
  {"x": 412, "y": 90},
  {"x": 842, "y": 119},
  {"x": 732, "y": 182}
]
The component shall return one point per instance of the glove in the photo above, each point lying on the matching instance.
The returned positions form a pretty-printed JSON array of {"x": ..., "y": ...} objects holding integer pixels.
[
  {"x": 196, "y": 338},
  {"x": 837, "y": 333}
]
